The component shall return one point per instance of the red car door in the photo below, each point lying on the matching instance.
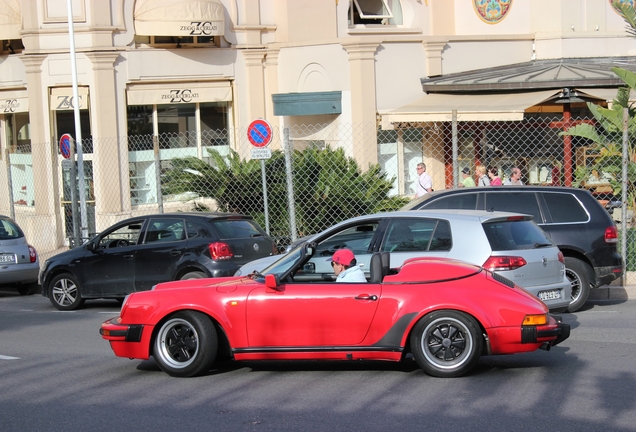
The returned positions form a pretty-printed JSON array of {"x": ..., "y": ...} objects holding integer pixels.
[{"x": 311, "y": 314}]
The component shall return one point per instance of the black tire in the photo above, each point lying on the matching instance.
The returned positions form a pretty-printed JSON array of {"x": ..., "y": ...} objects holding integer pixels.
[
  {"x": 186, "y": 344},
  {"x": 65, "y": 292},
  {"x": 578, "y": 273},
  {"x": 28, "y": 289},
  {"x": 447, "y": 344},
  {"x": 194, "y": 275}
]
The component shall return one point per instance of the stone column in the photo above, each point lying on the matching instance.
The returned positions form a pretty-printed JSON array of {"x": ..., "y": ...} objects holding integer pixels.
[
  {"x": 45, "y": 169},
  {"x": 254, "y": 94},
  {"x": 363, "y": 101},
  {"x": 271, "y": 87},
  {"x": 110, "y": 149}
]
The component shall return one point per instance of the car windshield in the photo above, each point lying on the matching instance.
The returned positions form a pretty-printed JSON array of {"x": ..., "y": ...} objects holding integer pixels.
[
  {"x": 9, "y": 230},
  {"x": 286, "y": 263},
  {"x": 516, "y": 235}
]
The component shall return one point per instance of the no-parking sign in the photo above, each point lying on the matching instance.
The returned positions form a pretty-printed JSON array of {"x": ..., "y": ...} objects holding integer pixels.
[
  {"x": 259, "y": 133},
  {"x": 66, "y": 141}
]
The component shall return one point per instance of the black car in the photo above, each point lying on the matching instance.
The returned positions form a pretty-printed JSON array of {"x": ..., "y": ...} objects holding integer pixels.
[
  {"x": 573, "y": 218},
  {"x": 137, "y": 253}
]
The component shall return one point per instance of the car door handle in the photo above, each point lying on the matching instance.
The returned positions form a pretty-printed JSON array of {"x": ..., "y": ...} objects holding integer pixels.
[
  {"x": 175, "y": 252},
  {"x": 366, "y": 297},
  {"x": 128, "y": 256}
]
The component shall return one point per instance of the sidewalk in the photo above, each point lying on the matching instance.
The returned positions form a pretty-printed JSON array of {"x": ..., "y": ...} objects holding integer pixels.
[{"x": 614, "y": 291}]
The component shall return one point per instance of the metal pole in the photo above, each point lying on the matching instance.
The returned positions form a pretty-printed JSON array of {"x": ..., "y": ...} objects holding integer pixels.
[
  {"x": 265, "y": 196},
  {"x": 455, "y": 151},
  {"x": 624, "y": 195},
  {"x": 290, "y": 185},
  {"x": 155, "y": 147},
  {"x": 78, "y": 124},
  {"x": 73, "y": 185},
  {"x": 10, "y": 183}
]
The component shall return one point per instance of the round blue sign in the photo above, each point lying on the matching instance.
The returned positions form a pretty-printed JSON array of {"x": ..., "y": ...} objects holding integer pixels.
[
  {"x": 65, "y": 145},
  {"x": 259, "y": 133}
]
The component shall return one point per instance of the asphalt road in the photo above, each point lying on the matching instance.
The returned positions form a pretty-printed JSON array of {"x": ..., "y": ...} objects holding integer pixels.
[{"x": 57, "y": 374}]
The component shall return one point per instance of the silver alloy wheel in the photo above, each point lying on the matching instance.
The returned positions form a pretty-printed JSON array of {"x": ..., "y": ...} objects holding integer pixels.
[
  {"x": 65, "y": 292},
  {"x": 177, "y": 343},
  {"x": 447, "y": 343},
  {"x": 575, "y": 282}
]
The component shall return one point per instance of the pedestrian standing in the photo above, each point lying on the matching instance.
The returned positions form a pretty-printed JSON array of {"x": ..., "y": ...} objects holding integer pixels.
[{"x": 424, "y": 181}]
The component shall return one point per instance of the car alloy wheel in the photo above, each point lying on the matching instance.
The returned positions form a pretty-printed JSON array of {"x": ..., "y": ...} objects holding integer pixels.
[
  {"x": 186, "y": 344},
  {"x": 446, "y": 343},
  {"x": 64, "y": 292},
  {"x": 577, "y": 273}
]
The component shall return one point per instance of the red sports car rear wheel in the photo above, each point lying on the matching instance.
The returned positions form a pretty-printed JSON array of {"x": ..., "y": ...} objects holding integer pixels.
[
  {"x": 446, "y": 343},
  {"x": 186, "y": 344}
]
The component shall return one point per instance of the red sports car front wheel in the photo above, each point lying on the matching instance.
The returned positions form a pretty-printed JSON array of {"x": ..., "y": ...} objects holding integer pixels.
[
  {"x": 186, "y": 344},
  {"x": 446, "y": 343}
]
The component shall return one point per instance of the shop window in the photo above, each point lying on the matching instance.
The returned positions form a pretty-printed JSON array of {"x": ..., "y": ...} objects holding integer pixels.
[
  {"x": 178, "y": 41},
  {"x": 181, "y": 130},
  {"x": 378, "y": 12},
  {"x": 12, "y": 46},
  {"x": 18, "y": 141}
]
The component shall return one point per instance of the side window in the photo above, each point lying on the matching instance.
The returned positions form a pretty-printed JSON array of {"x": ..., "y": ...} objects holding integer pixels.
[
  {"x": 564, "y": 208},
  {"x": 442, "y": 238},
  {"x": 517, "y": 202},
  {"x": 123, "y": 236},
  {"x": 467, "y": 201},
  {"x": 357, "y": 238},
  {"x": 412, "y": 235},
  {"x": 191, "y": 229},
  {"x": 164, "y": 230}
]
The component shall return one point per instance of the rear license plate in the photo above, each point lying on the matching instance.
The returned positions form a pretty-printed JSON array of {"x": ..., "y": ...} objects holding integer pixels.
[
  {"x": 7, "y": 258},
  {"x": 550, "y": 294}
]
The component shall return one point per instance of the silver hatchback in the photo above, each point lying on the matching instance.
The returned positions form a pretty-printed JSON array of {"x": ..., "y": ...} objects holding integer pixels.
[
  {"x": 19, "y": 263},
  {"x": 509, "y": 244}
]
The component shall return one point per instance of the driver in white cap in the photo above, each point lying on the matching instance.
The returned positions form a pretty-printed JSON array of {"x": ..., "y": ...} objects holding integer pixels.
[{"x": 345, "y": 267}]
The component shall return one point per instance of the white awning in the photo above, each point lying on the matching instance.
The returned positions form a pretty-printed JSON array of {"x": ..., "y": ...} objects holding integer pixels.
[
  {"x": 10, "y": 19},
  {"x": 179, "y": 18},
  {"x": 158, "y": 94},
  {"x": 15, "y": 101},
  {"x": 606, "y": 94},
  {"x": 481, "y": 107}
]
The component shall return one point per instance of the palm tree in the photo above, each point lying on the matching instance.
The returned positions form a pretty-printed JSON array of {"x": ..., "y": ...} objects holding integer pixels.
[{"x": 607, "y": 135}]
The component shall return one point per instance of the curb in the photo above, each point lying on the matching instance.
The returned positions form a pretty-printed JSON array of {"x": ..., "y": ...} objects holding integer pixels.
[{"x": 613, "y": 292}]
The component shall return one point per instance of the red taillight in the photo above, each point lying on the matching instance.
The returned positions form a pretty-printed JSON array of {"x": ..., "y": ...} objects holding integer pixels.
[
  {"x": 502, "y": 263},
  {"x": 220, "y": 251},
  {"x": 561, "y": 258},
  {"x": 33, "y": 255},
  {"x": 611, "y": 234}
]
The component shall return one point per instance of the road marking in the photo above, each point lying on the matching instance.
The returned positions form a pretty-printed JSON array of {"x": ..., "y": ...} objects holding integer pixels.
[{"x": 3, "y": 357}]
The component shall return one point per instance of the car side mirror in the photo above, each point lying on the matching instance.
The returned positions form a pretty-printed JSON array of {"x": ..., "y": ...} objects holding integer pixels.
[
  {"x": 91, "y": 246},
  {"x": 271, "y": 281},
  {"x": 309, "y": 268}
]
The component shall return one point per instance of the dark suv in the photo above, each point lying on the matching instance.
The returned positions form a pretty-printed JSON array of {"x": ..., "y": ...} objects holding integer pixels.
[
  {"x": 574, "y": 219},
  {"x": 137, "y": 253}
]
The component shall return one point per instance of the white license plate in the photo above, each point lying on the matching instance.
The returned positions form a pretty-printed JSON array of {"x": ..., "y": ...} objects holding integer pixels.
[
  {"x": 7, "y": 258},
  {"x": 550, "y": 294}
]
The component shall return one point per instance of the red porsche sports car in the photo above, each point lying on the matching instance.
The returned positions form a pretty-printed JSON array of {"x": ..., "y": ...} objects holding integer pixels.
[{"x": 446, "y": 313}]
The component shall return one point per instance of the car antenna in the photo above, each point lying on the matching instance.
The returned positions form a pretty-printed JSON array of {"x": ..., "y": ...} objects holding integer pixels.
[{"x": 491, "y": 209}]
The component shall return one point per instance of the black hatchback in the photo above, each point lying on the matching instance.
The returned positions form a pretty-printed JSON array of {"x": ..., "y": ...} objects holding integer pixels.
[
  {"x": 137, "y": 253},
  {"x": 577, "y": 223}
]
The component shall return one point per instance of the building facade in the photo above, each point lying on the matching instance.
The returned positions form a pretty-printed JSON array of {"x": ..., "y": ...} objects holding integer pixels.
[{"x": 183, "y": 76}]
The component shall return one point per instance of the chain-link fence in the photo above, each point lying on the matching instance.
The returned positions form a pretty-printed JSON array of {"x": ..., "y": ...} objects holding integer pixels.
[{"x": 317, "y": 174}]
